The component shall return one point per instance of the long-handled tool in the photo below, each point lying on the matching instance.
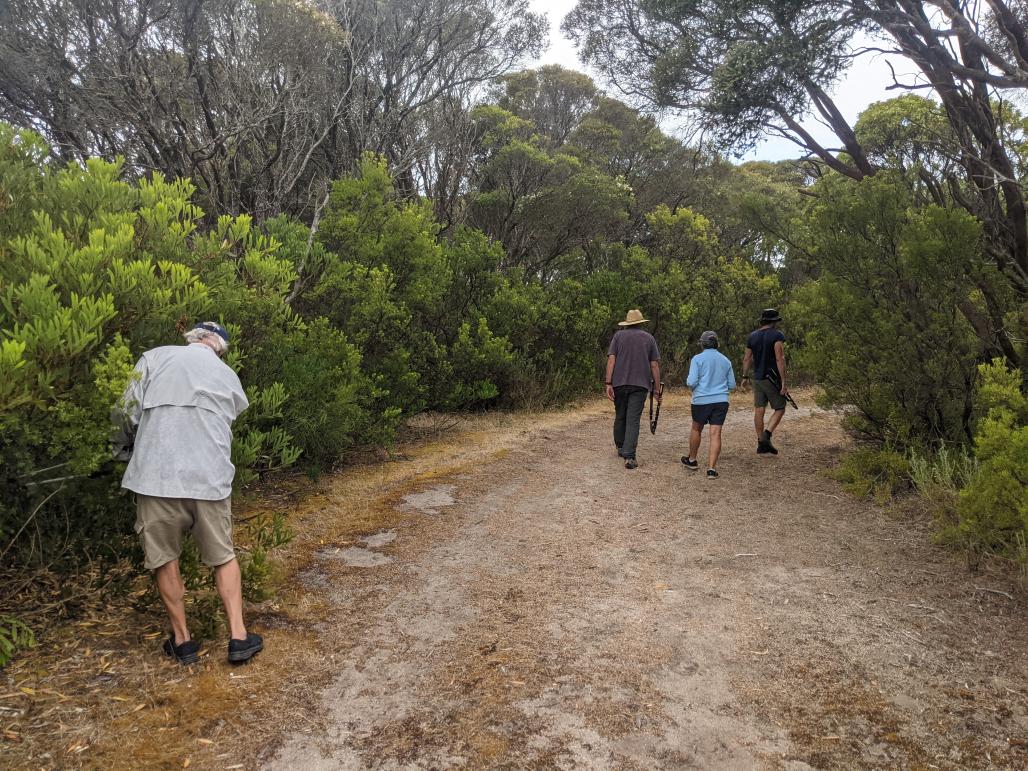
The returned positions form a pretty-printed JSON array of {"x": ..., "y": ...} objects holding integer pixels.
[
  {"x": 773, "y": 378},
  {"x": 655, "y": 416}
]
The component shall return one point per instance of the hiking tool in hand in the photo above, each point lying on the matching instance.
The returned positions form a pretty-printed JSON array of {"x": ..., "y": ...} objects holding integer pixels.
[
  {"x": 655, "y": 416},
  {"x": 773, "y": 378}
]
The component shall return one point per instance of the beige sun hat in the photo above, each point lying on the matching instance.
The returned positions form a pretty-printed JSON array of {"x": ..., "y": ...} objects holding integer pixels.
[{"x": 634, "y": 316}]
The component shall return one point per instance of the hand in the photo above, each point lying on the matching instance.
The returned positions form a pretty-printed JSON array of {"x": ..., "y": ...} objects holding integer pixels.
[
  {"x": 784, "y": 391},
  {"x": 610, "y": 392},
  {"x": 660, "y": 396}
]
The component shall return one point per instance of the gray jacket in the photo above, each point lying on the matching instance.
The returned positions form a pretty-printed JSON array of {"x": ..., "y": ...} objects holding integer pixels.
[{"x": 174, "y": 424}]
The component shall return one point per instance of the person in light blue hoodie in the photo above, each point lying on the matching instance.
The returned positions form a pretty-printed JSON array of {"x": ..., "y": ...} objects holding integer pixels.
[{"x": 711, "y": 378}]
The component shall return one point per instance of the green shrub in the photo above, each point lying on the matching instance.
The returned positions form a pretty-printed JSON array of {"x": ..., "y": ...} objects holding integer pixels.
[
  {"x": 993, "y": 508},
  {"x": 14, "y": 637},
  {"x": 884, "y": 325},
  {"x": 333, "y": 404},
  {"x": 878, "y": 473},
  {"x": 94, "y": 270},
  {"x": 939, "y": 477},
  {"x": 266, "y": 533},
  {"x": 946, "y": 471}
]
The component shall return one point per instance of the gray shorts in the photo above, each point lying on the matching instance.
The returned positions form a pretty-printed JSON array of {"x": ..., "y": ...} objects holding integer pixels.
[
  {"x": 160, "y": 523},
  {"x": 764, "y": 392}
]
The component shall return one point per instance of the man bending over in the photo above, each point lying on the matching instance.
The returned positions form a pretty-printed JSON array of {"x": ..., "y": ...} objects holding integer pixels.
[{"x": 174, "y": 425}]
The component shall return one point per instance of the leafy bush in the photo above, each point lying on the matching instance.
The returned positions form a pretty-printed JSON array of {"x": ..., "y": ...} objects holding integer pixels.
[
  {"x": 943, "y": 473},
  {"x": 993, "y": 508},
  {"x": 93, "y": 271},
  {"x": 333, "y": 405},
  {"x": 266, "y": 533},
  {"x": 878, "y": 473},
  {"x": 14, "y": 637},
  {"x": 885, "y": 324}
]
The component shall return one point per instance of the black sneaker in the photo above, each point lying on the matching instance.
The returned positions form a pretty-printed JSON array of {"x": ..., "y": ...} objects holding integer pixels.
[
  {"x": 712, "y": 473},
  {"x": 765, "y": 448},
  {"x": 244, "y": 650},
  {"x": 186, "y": 653},
  {"x": 767, "y": 443},
  {"x": 631, "y": 463},
  {"x": 692, "y": 465}
]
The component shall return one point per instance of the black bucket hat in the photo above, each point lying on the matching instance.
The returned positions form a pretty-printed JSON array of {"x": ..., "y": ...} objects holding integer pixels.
[{"x": 769, "y": 316}]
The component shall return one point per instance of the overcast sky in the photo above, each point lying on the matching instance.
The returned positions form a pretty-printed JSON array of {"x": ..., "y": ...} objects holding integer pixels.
[{"x": 864, "y": 83}]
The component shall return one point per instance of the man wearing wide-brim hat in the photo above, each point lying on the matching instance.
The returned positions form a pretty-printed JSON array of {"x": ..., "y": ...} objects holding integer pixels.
[
  {"x": 633, "y": 371},
  {"x": 765, "y": 352}
]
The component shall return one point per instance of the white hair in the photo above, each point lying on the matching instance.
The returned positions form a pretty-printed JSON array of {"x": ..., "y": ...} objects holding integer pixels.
[{"x": 200, "y": 335}]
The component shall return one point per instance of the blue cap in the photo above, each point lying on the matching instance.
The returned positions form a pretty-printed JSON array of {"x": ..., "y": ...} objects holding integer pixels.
[{"x": 215, "y": 327}]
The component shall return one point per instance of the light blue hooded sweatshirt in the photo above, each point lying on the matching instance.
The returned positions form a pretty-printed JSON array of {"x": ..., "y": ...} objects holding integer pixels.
[{"x": 710, "y": 377}]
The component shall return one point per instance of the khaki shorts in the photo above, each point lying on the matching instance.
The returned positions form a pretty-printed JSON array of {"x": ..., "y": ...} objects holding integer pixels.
[
  {"x": 160, "y": 523},
  {"x": 764, "y": 392}
]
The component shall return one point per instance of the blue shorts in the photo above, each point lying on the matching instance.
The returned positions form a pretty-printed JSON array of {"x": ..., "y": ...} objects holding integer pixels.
[{"x": 714, "y": 414}]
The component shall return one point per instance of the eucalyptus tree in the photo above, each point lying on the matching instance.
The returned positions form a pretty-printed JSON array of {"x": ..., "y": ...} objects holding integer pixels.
[
  {"x": 426, "y": 60},
  {"x": 239, "y": 96},
  {"x": 746, "y": 68},
  {"x": 260, "y": 102}
]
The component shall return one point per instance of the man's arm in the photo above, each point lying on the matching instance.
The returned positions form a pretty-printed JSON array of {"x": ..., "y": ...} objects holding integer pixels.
[
  {"x": 747, "y": 363},
  {"x": 609, "y": 377},
  {"x": 780, "y": 361},
  {"x": 655, "y": 373},
  {"x": 731, "y": 377}
]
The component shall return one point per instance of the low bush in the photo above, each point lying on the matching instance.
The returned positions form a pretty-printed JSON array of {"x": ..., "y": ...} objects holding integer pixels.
[
  {"x": 944, "y": 472},
  {"x": 993, "y": 506},
  {"x": 877, "y": 473},
  {"x": 14, "y": 637}
]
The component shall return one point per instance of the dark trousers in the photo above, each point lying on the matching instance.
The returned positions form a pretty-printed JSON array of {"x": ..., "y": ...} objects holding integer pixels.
[{"x": 628, "y": 409}]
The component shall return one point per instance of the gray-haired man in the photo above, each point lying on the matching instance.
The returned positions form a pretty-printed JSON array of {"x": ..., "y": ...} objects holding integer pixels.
[{"x": 174, "y": 425}]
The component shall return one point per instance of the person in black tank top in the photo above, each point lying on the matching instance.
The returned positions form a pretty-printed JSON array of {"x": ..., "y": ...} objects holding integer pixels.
[{"x": 765, "y": 358}]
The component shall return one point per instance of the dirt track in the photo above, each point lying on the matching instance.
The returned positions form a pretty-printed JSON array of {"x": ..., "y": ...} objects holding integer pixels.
[
  {"x": 507, "y": 595},
  {"x": 548, "y": 608}
]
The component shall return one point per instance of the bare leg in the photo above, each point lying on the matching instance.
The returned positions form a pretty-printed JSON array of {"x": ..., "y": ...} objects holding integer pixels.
[
  {"x": 715, "y": 445},
  {"x": 758, "y": 421},
  {"x": 694, "y": 440},
  {"x": 230, "y": 587},
  {"x": 173, "y": 592},
  {"x": 776, "y": 418}
]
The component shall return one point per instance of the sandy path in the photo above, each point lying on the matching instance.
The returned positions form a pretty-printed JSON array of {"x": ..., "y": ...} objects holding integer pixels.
[{"x": 549, "y": 608}]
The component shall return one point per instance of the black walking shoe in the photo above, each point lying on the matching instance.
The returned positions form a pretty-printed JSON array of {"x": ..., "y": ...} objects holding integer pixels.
[
  {"x": 186, "y": 653},
  {"x": 767, "y": 443},
  {"x": 711, "y": 473},
  {"x": 631, "y": 463},
  {"x": 244, "y": 650},
  {"x": 692, "y": 465}
]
